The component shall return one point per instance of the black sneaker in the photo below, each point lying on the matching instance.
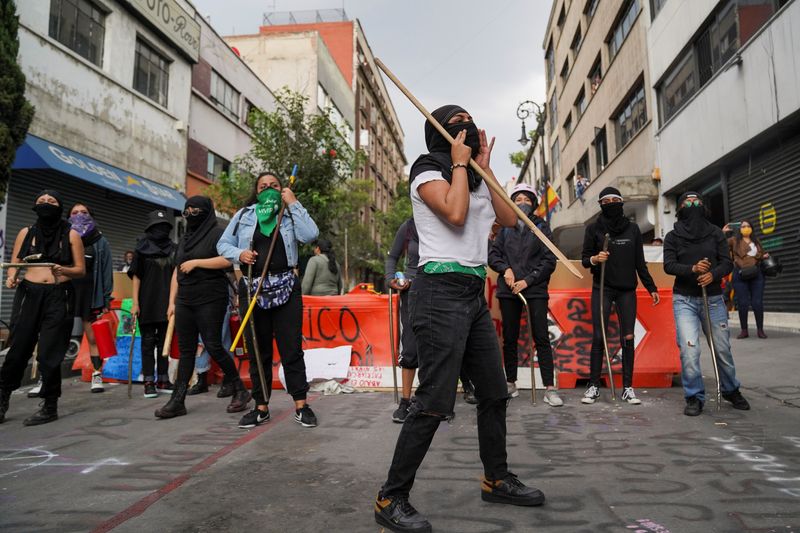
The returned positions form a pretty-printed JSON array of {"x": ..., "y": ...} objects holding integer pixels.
[
  {"x": 254, "y": 418},
  {"x": 5, "y": 397},
  {"x": 150, "y": 390},
  {"x": 469, "y": 395},
  {"x": 401, "y": 412},
  {"x": 737, "y": 400},
  {"x": 396, "y": 514},
  {"x": 510, "y": 490},
  {"x": 48, "y": 412},
  {"x": 165, "y": 385},
  {"x": 305, "y": 417},
  {"x": 225, "y": 391},
  {"x": 693, "y": 407}
]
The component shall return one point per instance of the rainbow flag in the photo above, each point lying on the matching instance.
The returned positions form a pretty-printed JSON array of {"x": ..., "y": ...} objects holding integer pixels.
[{"x": 548, "y": 204}]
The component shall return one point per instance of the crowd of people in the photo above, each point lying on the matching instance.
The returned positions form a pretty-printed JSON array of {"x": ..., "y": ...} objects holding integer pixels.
[{"x": 458, "y": 228}]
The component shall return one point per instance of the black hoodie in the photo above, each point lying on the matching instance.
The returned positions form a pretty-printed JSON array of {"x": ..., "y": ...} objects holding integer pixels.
[
  {"x": 624, "y": 263},
  {"x": 525, "y": 254},
  {"x": 688, "y": 243}
]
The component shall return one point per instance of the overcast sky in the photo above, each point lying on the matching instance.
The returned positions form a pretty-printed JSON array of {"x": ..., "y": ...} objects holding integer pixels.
[{"x": 484, "y": 55}]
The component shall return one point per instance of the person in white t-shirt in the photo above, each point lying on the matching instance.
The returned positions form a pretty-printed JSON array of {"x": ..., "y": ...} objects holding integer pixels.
[{"x": 454, "y": 211}]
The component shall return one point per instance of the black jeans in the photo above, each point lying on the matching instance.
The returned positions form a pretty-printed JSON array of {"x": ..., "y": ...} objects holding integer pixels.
[
  {"x": 284, "y": 324},
  {"x": 204, "y": 320},
  {"x": 452, "y": 326},
  {"x": 749, "y": 293},
  {"x": 511, "y": 309},
  {"x": 42, "y": 314},
  {"x": 625, "y": 302},
  {"x": 153, "y": 337},
  {"x": 408, "y": 344}
]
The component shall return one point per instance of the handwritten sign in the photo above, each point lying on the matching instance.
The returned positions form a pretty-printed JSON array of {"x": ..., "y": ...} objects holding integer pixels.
[{"x": 173, "y": 22}]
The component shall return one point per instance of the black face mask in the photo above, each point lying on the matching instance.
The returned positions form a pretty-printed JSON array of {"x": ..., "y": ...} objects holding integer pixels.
[
  {"x": 48, "y": 213},
  {"x": 193, "y": 221},
  {"x": 613, "y": 211},
  {"x": 473, "y": 139},
  {"x": 159, "y": 232}
]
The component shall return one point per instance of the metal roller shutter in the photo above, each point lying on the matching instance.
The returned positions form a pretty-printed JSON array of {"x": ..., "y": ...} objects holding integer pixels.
[
  {"x": 121, "y": 218},
  {"x": 763, "y": 190}
]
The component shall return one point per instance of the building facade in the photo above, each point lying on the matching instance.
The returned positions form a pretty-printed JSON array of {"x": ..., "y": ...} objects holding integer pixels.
[
  {"x": 110, "y": 81},
  {"x": 726, "y": 80},
  {"x": 599, "y": 128},
  {"x": 224, "y": 91},
  {"x": 331, "y": 63}
]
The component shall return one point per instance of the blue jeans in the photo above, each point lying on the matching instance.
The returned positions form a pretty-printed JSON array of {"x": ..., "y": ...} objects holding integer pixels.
[
  {"x": 690, "y": 320},
  {"x": 203, "y": 362},
  {"x": 749, "y": 293}
]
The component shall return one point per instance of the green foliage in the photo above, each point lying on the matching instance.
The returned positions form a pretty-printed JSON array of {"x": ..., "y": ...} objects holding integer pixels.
[
  {"x": 517, "y": 158},
  {"x": 16, "y": 112}
]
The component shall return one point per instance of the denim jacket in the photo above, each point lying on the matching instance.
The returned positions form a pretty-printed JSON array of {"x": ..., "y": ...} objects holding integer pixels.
[{"x": 296, "y": 226}]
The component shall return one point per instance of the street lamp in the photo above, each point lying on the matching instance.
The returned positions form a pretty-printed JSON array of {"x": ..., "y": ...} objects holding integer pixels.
[{"x": 525, "y": 110}]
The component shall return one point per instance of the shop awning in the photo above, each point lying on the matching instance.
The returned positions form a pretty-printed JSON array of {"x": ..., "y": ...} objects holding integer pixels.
[{"x": 37, "y": 153}]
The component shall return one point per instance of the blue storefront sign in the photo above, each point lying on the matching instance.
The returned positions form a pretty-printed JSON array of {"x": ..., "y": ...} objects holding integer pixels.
[{"x": 39, "y": 154}]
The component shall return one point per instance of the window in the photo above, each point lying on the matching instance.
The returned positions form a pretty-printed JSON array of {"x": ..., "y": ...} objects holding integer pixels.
[
  {"x": 553, "y": 112},
  {"x": 655, "y": 7},
  {"x": 600, "y": 149},
  {"x": 580, "y": 103},
  {"x": 568, "y": 126},
  {"x": 556, "y": 159},
  {"x": 623, "y": 27},
  {"x": 551, "y": 63},
  {"x": 562, "y": 16},
  {"x": 571, "y": 188},
  {"x": 632, "y": 117},
  {"x": 596, "y": 74},
  {"x": 724, "y": 36},
  {"x": 216, "y": 166},
  {"x": 590, "y": 9},
  {"x": 565, "y": 71},
  {"x": 678, "y": 87},
  {"x": 224, "y": 95},
  {"x": 151, "y": 73},
  {"x": 577, "y": 41},
  {"x": 248, "y": 110},
  {"x": 583, "y": 171},
  {"x": 80, "y": 26}
]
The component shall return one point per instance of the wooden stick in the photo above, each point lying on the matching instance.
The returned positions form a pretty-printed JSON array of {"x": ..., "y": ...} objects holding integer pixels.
[
  {"x": 490, "y": 182},
  {"x": 168, "y": 337}
]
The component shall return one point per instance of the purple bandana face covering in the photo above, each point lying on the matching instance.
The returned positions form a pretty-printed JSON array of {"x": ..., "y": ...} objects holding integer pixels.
[{"x": 82, "y": 223}]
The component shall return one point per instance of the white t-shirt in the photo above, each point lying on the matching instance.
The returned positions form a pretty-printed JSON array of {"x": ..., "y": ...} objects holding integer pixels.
[
  {"x": 753, "y": 251},
  {"x": 467, "y": 245}
]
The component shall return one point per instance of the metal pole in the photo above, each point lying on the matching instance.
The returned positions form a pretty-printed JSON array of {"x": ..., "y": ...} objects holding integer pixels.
[
  {"x": 603, "y": 320},
  {"x": 130, "y": 356},
  {"x": 710, "y": 339},
  {"x": 254, "y": 344},
  {"x": 530, "y": 338},
  {"x": 392, "y": 347}
]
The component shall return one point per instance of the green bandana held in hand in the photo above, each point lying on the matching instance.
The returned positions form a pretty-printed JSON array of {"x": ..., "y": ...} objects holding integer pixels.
[{"x": 269, "y": 203}]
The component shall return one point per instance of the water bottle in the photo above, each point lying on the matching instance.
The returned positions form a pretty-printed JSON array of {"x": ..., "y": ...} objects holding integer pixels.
[{"x": 400, "y": 279}]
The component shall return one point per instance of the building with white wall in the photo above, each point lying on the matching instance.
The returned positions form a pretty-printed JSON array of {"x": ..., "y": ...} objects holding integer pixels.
[{"x": 726, "y": 82}]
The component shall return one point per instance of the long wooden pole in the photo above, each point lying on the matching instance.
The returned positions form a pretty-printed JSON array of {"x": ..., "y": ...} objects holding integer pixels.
[{"x": 490, "y": 182}]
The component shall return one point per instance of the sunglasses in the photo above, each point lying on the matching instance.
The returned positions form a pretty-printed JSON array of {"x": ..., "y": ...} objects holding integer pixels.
[
  {"x": 192, "y": 211},
  {"x": 692, "y": 202}
]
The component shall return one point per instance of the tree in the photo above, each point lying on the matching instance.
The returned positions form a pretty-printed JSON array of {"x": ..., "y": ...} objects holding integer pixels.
[
  {"x": 399, "y": 211},
  {"x": 16, "y": 112}
]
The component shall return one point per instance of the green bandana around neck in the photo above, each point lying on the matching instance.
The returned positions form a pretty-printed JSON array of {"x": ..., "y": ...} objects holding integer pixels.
[{"x": 269, "y": 203}]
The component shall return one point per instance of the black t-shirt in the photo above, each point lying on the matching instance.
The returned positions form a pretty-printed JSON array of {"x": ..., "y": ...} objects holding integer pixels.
[
  {"x": 203, "y": 285},
  {"x": 155, "y": 275},
  {"x": 278, "y": 262}
]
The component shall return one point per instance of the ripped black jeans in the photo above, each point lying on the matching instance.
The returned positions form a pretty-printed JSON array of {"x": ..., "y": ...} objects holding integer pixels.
[
  {"x": 452, "y": 326},
  {"x": 625, "y": 302}
]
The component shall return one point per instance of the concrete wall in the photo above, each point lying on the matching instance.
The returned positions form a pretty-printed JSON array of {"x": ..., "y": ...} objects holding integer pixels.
[
  {"x": 94, "y": 110},
  {"x": 738, "y": 103}
]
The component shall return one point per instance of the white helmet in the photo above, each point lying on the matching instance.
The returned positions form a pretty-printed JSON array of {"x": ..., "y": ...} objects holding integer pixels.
[{"x": 525, "y": 189}]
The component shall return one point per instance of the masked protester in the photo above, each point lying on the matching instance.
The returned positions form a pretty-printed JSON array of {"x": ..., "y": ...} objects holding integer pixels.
[
  {"x": 525, "y": 266},
  {"x": 198, "y": 298},
  {"x": 748, "y": 280},
  {"x": 624, "y": 261},
  {"x": 453, "y": 212},
  {"x": 696, "y": 253},
  {"x": 92, "y": 291},
  {"x": 43, "y": 305},
  {"x": 278, "y": 314},
  {"x": 151, "y": 272}
]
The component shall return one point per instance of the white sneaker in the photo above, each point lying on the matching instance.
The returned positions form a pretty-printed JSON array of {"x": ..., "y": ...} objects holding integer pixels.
[
  {"x": 34, "y": 392},
  {"x": 591, "y": 395},
  {"x": 629, "y": 396},
  {"x": 552, "y": 398},
  {"x": 512, "y": 390},
  {"x": 97, "y": 382}
]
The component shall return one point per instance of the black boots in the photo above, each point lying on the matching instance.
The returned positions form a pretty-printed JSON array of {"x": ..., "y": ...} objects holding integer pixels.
[
  {"x": 48, "y": 412},
  {"x": 201, "y": 386},
  {"x": 226, "y": 390},
  {"x": 241, "y": 396},
  {"x": 175, "y": 406},
  {"x": 5, "y": 396}
]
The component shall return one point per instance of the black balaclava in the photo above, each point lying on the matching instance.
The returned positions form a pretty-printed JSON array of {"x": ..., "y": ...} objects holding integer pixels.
[
  {"x": 613, "y": 215},
  {"x": 198, "y": 229},
  {"x": 439, "y": 159},
  {"x": 692, "y": 223},
  {"x": 52, "y": 240}
]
